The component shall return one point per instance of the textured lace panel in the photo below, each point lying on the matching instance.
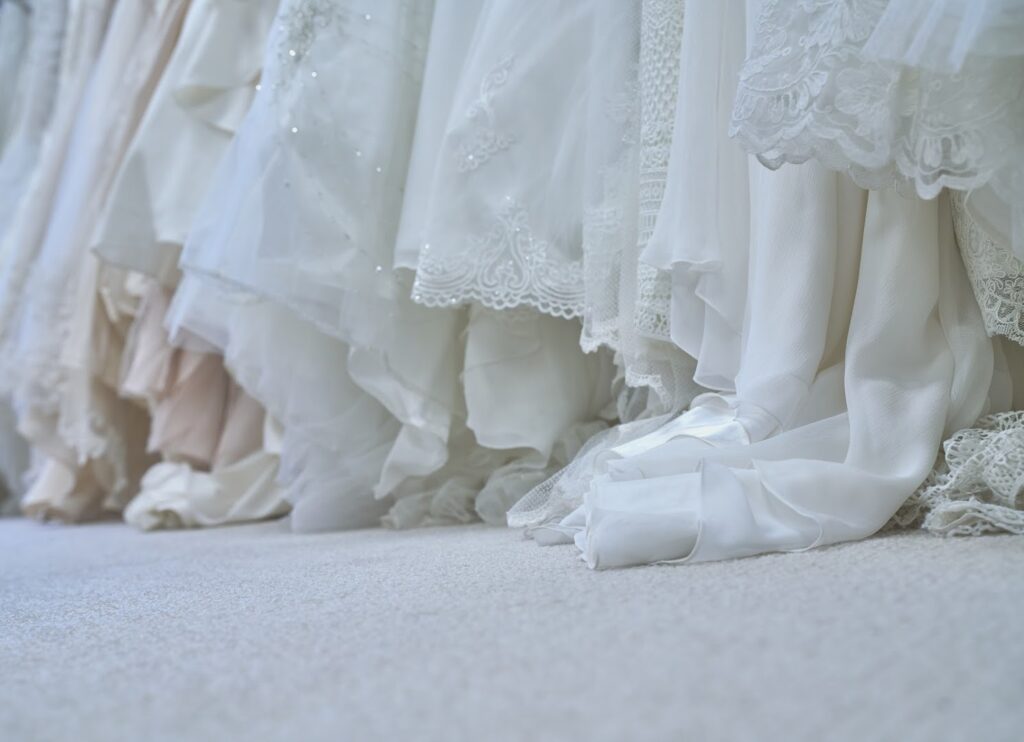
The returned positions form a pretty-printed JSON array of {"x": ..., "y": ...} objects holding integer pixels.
[
  {"x": 506, "y": 267},
  {"x": 661, "y": 34},
  {"x": 628, "y": 303},
  {"x": 503, "y": 225},
  {"x": 609, "y": 220},
  {"x": 485, "y": 139},
  {"x": 978, "y": 487},
  {"x": 654, "y": 302},
  {"x": 649, "y": 358},
  {"x": 996, "y": 275},
  {"x": 808, "y": 90},
  {"x": 604, "y": 234}
]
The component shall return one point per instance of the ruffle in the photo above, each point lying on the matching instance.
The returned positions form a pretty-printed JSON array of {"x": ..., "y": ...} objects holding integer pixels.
[
  {"x": 174, "y": 495},
  {"x": 336, "y": 436},
  {"x": 813, "y": 87}
]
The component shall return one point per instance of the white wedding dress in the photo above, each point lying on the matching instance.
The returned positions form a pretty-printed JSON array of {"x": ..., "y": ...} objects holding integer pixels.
[
  {"x": 605, "y": 271},
  {"x": 831, "y": 397},
  {"x": 924, "y": 94},
  {"x": 385, "y": 405}
]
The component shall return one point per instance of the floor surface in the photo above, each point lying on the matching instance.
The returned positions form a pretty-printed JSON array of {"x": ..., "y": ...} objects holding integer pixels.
[{"x": 475, "y": 634}]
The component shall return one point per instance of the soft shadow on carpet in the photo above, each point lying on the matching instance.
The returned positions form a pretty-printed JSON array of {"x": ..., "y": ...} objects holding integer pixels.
[{"x": 475, "y": 634}]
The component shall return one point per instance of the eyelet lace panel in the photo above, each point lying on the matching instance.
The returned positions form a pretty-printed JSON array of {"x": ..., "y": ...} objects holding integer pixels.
[
  {"x": 504, "y": 268},
  {"x": 979, "y": 487}
]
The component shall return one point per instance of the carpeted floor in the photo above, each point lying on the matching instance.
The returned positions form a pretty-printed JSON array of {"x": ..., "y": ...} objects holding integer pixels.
[{"x": 474, "y": 634}]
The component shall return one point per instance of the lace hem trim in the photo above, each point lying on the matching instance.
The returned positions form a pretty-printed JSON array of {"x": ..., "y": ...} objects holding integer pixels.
[
  {"x": 808, "y": 90},
  {"x": 506, "y": 267},
  {"x": 978, "y": 486},
  {"x": 996, "y": 275}
]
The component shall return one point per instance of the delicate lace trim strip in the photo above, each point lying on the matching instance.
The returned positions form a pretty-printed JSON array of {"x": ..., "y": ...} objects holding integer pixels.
[
  {"x": 808, "y": 90},
  {"x": 504, "y": 268}
]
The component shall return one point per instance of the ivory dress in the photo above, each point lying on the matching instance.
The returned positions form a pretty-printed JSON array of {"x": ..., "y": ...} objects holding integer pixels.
[
  {"x": 379, "y": 397},
  {"x": 73, "y": 313},
  {"x": 208, "y": 433}
]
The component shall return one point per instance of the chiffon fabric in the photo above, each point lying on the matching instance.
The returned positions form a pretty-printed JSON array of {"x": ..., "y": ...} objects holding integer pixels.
[
  {"x": 673, "y": 282},
  {"x": 930, "y": 95},
  {"x": 386, "y": 405},
  {"x": 831, "y": 397}
]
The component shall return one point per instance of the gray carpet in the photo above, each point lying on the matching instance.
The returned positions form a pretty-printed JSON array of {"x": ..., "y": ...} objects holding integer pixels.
[{"x": 474, "y": 634}]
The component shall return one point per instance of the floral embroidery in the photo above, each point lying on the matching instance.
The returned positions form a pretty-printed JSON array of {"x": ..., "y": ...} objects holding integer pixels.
[
  {"x": 484, "y": 140},
  {"x": 505, "y": 267}
]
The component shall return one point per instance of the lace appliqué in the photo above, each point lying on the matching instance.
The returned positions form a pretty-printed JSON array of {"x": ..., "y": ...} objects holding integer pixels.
[
  {"x": 979, "y": 487},
  {"x": 299, "y": 24},
  {"x": 506, "y": 267},
  {"x": 808, "y": 91},
  {"x": 485, "y": 140},
  {"x": 996, "y": 275}
]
